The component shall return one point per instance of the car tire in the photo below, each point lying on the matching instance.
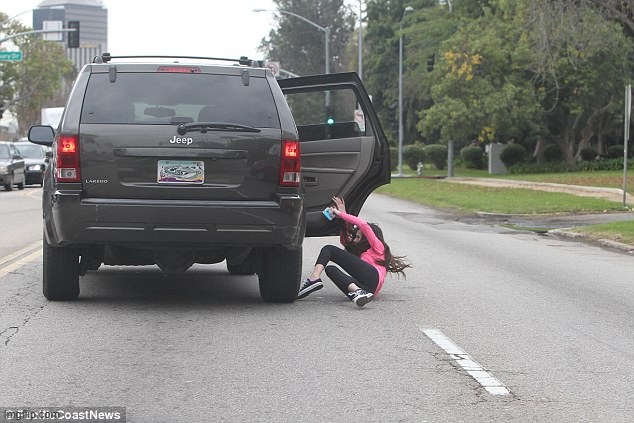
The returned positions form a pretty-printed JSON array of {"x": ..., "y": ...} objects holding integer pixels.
[
  {"x": 21, "y": 185},
  {"x": 280, "y": 274},
  {"x": 60, "y": 275},
  {"x": 9, "y": 185}
]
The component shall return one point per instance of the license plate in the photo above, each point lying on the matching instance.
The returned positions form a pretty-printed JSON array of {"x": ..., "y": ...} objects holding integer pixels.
[{"x": 181, "y": 172}]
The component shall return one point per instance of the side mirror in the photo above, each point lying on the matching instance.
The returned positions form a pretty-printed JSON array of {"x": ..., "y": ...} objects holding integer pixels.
[{"x": 42, "y": 135}]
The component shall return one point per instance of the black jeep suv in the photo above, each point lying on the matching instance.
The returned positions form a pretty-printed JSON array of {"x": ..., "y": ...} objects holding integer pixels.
[{"x": 175, "y": 162}]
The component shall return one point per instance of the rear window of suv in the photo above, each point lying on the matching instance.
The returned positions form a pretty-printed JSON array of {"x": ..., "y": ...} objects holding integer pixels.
[{"x": 171, "y": 98}]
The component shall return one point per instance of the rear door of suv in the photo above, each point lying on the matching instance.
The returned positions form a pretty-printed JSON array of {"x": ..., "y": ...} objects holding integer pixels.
[{"x": 343, "y": 148}]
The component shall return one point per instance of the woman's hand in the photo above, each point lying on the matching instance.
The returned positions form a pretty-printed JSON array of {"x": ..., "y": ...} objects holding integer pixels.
[
  {"x": 339, "y": 204},
  {"x": 334, "y": 211}
]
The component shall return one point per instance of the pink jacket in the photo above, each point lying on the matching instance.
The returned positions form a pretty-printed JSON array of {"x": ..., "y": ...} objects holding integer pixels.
[{"x": 376, "y": 253}]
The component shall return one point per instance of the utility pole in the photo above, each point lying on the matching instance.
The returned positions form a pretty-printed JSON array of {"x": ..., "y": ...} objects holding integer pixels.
[
  {"x": 400, "y": 93},
  {"x": 360, "y": 41}
]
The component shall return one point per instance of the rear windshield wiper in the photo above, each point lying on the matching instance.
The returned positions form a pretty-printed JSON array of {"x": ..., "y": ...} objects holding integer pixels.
[{"x": 203, "y": 127}]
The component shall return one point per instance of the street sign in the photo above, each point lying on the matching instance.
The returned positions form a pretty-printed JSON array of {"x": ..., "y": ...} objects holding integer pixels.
[
  {"x": 53, "y": 26},
  {"x": 10, "y": 56}
]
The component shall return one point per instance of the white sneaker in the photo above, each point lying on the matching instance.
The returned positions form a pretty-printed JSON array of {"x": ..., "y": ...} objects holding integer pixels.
[
  {"x": 309, "y": 287},
  {"x": 360, "y": 297}
]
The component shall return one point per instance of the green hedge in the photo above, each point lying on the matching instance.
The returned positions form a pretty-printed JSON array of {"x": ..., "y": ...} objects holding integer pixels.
[
  {"x": 553, "y": 153},
  {"x": 393, "y": 159},
  {"x": 589, "y": 154},
  {"x": 561, "y": 167},
  {"x": 473, "y": 157},
  {"x": 413, "y": 154},
  {"x": 615, "y": 151},
  {"x": 513, "y": 155},
  {"x": 437, "y": 155}
]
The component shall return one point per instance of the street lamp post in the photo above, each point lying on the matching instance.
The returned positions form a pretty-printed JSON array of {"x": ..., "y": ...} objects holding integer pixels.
[
  {"x": 400, "y": 94},
  {"x": 360, "y": 41},
  {"x": 13, "y": 17},
  {"x": 308, "y": 21}
]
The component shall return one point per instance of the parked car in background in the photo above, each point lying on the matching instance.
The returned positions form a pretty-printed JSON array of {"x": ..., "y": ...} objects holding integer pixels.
[
  {"x": 12, "y": 168},
  {"x": 35, "y": 160}
]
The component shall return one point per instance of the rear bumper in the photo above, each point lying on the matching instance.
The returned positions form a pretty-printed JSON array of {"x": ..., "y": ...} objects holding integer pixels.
[{"x": 169, "y": 224}]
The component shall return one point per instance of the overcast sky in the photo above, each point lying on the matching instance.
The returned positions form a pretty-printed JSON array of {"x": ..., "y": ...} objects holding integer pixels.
[
  {"x": 217, "y": 28},
  {"x": 212, "y": 28}
]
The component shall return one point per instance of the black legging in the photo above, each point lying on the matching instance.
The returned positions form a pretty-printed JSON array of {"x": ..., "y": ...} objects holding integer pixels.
[{"x": 359, "y": 272}]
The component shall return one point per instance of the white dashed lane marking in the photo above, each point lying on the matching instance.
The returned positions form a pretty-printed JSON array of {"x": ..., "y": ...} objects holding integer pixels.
[{"x": 475, "y": 370}]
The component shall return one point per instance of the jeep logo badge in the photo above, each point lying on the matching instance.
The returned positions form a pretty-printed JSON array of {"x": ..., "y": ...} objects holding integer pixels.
[{"x": 179, "y": 140}]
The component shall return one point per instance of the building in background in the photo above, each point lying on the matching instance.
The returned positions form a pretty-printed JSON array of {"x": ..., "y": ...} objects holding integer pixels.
[{"x": 93, "y": 26}]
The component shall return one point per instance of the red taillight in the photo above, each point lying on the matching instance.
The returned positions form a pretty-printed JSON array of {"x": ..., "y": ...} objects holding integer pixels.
[
  {"x": 290, "y": 164},
  {"x": 67, "y": 159}
]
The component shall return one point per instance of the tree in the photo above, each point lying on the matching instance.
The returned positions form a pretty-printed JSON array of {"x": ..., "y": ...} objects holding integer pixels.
[
  {"x": 431, "y": 23},
  {"x": 483, "y": 92},
  {"x": 299, "y": 46},
  {"x": 581, "y": 65},
  {"x": 621, "y": 11},
  {"x": 28, "y": 85},
  {"x": 536, "y": 70},
  {"x": 381, "y": 61},
  {"x": 381, "y": 58}
]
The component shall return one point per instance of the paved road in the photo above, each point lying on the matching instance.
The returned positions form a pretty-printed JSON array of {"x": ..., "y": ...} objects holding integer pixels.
[{"x": 549, "y": 319}]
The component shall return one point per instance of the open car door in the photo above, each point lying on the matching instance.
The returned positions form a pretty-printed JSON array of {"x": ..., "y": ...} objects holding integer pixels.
[{"x": 343, "y": 148}]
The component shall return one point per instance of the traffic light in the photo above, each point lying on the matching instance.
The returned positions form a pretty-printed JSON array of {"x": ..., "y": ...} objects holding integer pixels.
[
  {"x": 330, "y": 115},
  {"x": 73, "y": 36},
  {"x": 430, "y": 63}
]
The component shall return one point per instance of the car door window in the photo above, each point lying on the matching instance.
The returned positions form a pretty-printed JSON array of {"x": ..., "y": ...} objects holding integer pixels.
[{"x": 340, "y": 115}]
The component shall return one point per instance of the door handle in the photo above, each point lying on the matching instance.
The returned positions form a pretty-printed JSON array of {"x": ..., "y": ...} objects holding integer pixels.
[{"x": 311, "y": 181}]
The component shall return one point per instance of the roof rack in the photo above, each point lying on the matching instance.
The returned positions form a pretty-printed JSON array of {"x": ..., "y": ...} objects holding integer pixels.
[{"x": 106, "y": 57}]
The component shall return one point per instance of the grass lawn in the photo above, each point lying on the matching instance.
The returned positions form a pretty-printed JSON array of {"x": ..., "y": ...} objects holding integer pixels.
[
  {"x": 606, "y": 179},
  {"x": 464, "y": 198},
  {"x": 616, "y": 231}
]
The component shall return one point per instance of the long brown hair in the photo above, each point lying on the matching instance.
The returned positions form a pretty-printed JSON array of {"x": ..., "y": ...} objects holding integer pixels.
[{"x": 393, "y": 264}]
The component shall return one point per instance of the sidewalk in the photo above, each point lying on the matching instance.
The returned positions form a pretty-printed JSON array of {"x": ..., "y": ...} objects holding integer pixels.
[{"x": 612, "y": 194}]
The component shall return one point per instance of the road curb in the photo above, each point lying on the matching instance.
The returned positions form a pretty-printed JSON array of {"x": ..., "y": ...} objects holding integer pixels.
[
  {"x": 565, "y": 232},
  {"x": 618, "y": 245}
]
